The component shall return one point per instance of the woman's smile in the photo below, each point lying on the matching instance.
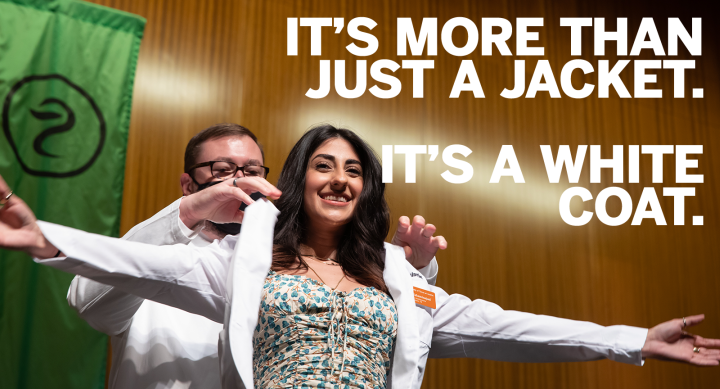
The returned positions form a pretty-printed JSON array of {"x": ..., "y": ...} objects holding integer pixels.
[
  {"x": 333, "y": 182},
  {"x": 335, "y": 199}
]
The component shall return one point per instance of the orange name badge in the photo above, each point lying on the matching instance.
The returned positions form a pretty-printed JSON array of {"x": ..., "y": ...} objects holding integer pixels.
[{"x": 424, "y": 297}]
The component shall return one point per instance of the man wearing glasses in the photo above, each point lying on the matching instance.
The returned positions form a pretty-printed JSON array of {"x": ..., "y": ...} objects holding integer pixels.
[
  {"x": 154, "y": 345},
  {"x": 157, "y": 346},
  {"x": 225, "y": 151}
]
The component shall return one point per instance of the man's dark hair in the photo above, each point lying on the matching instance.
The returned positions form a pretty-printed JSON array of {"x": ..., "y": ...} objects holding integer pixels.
[
  {"x": 217, "y": 131},
  {"x": 360, "y": 250}
]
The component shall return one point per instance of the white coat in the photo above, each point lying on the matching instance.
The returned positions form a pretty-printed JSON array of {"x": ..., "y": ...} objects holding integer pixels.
[
  {"x": 223, "y": 282},
  {"x": 153, "y": 345}
]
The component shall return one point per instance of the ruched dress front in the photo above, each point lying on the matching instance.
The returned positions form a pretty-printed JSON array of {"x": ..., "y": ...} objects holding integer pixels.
[{"x": 309, "y": 336}]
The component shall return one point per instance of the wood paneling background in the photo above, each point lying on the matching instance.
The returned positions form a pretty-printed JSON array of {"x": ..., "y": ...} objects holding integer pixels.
[{"x": 204, "y": 62}]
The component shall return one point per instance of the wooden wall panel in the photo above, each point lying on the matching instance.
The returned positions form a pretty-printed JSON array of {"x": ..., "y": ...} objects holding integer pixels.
[{"x": 204, "y": 62}]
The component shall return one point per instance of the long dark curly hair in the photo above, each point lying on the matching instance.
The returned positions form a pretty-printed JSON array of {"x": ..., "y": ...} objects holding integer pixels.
[{"x": 360, "y": 250}]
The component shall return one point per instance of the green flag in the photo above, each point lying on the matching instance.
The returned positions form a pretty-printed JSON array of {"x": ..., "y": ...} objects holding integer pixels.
[{"x": 66, "y": 78}]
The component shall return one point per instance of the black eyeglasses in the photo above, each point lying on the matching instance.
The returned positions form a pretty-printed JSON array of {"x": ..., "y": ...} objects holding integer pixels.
[{"x": 223, "y": 169}]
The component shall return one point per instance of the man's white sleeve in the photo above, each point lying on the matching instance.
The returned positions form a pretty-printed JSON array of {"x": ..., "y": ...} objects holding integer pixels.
[
  {"x": 111, "y": 310},
  {"x": 480, "y": 329},
  {"x": 430, "y": 271}
]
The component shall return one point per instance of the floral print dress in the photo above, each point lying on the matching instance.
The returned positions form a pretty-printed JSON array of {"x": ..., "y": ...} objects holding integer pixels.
[{"x": 310, "y": 336}]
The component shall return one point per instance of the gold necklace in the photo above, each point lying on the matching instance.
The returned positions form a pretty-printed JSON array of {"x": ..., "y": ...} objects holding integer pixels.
[
  {"x": 326, "y": 261},
  {"x": 323, "y": 281}
]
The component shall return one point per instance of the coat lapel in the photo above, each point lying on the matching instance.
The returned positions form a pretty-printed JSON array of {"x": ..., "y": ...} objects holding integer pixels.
[
  {"x": 249, "y": 268},
  {"x": 399, "y": 283}
]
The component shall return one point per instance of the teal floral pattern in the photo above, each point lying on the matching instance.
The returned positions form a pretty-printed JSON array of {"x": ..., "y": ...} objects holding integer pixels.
[{"x": 309, "y": 336}]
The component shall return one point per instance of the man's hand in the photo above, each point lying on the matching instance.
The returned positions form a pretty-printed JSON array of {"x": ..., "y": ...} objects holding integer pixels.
[
  {"x": 667, "y": 341},
  {"x": 220, "y": 203},
  {"x": 418, "y": 241},
  {"x": 19, "y": 229}
]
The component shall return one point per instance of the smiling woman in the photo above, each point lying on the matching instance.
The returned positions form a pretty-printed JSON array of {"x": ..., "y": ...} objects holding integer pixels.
[
  {"x": 329, "y": 210},
  {"x": 321, "y": 269}
]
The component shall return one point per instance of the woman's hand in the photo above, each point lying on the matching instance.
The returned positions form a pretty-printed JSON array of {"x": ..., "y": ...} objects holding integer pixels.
[
  {"x": 19, "y": 229},
  {"x": 668, "y": 341},
  {"x": 220, "y": 203},
  {"x": 418, "y": 241}
]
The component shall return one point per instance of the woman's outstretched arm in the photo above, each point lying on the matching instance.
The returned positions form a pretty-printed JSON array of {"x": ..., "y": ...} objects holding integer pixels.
[
  {"x": 480, "y": 329},
  {"x": 185, "y": 277},
  {"x": 188, "y": 278}
]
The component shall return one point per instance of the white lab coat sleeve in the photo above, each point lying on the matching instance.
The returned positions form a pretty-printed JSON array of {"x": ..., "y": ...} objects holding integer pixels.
[
  {"x": 186, "y": 277},
  {"x": 480, "y": 329},
  {"x": 110, "y": 310},
  {"x": 430, "y": 271}
]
